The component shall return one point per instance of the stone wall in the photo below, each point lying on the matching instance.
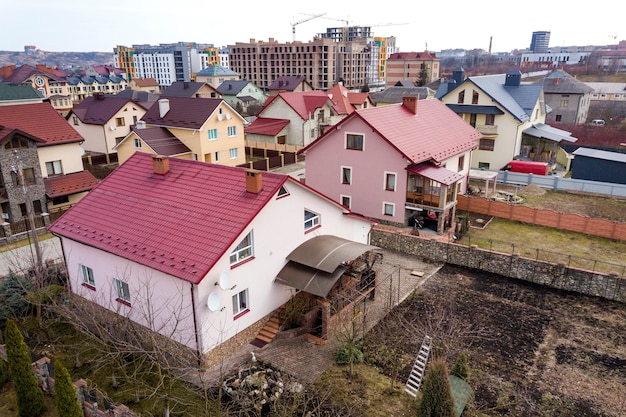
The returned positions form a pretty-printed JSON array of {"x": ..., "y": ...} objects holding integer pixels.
[{"x": 554, "y": 275}]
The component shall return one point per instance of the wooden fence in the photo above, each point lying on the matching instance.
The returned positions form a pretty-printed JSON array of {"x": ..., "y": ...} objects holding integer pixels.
[{"x": 541, "y": 217}]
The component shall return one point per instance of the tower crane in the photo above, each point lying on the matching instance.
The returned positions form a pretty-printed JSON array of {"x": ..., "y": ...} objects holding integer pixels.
[{"x": 293, "y": 25}]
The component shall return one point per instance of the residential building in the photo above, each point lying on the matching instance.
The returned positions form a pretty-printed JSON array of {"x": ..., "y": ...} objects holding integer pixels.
[
  {"x": 215, "y": 75},
  {"x": 48, "y": 151},
  {"x": 11, "y": 94},
  {"x": 293, "y": 118},
  {"x": 240, "y": 94},
  {"x": 81, "y": 87},
  {"x": 223, "y": 53},
  {"x": 568, "y": 98},
  {"x": 609, "y": 60},
  {"x": 540, "y": 41},
  {"x": 204, "y": 253},
  {"x": 190, "y": 89},
  {"x": 210, "y": 130},
  {"x": 509, "y": 113},
  {"x": 148, "y": 85},
  {"x": 322, "y": 62},
  {"x": 412, "y": 66},
  {"x": 395, "y": 162},
  {"x": 346, "y": 101},
  {"x": 289, "y": 84},
  {"x": 605, "y": 91},
  {"x": 165, "y": 62},
  {"x": 104, "y": 120}
]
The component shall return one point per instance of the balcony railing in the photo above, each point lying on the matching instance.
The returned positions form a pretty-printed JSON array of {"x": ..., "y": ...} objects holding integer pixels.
[
  {"x": 487, "y": 129},
  {"x": 422, "y": 199}
]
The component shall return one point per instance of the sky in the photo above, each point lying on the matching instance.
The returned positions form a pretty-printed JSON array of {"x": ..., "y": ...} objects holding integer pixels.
[{"x": 70, "y": 26}]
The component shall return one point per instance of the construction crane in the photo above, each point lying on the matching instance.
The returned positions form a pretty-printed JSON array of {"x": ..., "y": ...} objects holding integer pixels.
[{"x": 293, "y": 25}]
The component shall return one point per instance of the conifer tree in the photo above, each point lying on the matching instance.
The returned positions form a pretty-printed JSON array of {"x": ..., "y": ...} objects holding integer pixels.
[
  {"x": 460, "y": 367},
  {"x": 65, "y": 396},
  {"x": 436, "y": 399},
  {"x": 30, "y": 399}
]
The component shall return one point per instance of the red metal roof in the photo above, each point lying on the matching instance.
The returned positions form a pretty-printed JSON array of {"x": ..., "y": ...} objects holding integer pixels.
[
  {"x": 304, "y": 102},
  {"x": 436, "y": 173},
  {"x": 434, "y": 132},
  {"x": 68, "y": 184},
  {"x": 40, "y": 120},
  {"x": 180, "y": 223},
  {"x": 267, "y": 126}
]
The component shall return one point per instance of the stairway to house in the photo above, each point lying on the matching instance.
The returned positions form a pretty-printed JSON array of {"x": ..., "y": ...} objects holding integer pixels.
[
  {"x": 419, "y": 368},
  {"x": 273, "y": 326}
]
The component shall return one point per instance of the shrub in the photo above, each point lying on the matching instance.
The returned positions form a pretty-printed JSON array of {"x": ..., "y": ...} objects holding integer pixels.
[
  {"x": 460, "y": 367},
  {"x": 343, "y": 354},
  {"x": 65, "y": 396},
  {"x": 4, "y": 373},
  {"x": 436, "y": 399}
]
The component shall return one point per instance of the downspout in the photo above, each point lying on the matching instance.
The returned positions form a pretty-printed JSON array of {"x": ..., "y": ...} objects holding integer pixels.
[{"x": 195, "y": 325}]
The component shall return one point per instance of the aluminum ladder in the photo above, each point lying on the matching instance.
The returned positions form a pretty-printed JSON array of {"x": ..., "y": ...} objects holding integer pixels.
[{"x": 416, "y": 377}]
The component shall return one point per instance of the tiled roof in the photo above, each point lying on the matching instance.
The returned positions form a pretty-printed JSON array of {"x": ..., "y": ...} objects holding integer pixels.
[
  {"x": 303, "y": 102},
  {"x": 182, "y": 89},
  {"x": 24, "y": 72},
  {"x": 436, "y": 173},
  {"x": 180, "y": 223},
  {"x": 185, "y": 113},
  {"x": 62, "y": 185},
  {"x": 6, "y": 132},
  {"x": 232, "y": 87},
  {"x": 434, "y": 133},
  {"x": 10, "y": 91},
  {"x": 40, "y": 120},
  {"x": 267, "y": 126},
  {"x": 560, "y": 82},
  {"x": 287, "y": 83},
  {"x": 145, "y": 82},
  {"x": 215, "y": 70},
  {"x": 98, "y": 110},
  {"x": 338, "y": 95},
  {"x": 161, "y": 141},
  {"x": 412, "y": 56}
]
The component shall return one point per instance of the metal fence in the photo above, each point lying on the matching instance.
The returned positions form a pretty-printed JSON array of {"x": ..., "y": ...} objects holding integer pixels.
[{"x": 563, "y": 184}]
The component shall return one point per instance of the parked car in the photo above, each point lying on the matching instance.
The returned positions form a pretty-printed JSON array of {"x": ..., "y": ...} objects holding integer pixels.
[
  {"x": 597, "y": 122},
  {"x": 527, "y": 167}
]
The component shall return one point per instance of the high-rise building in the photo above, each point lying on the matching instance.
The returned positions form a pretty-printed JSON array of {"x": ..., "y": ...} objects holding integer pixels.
[
  {"x": 413, "y": 66},
  {"x": 540, "y": 42}
]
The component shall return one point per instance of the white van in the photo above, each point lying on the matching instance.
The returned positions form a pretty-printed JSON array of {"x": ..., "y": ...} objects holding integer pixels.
[{"x": 597, "y": 122}]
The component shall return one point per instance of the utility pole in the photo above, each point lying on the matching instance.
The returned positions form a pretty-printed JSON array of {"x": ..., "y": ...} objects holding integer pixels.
[{"x": 18, "y": 169}]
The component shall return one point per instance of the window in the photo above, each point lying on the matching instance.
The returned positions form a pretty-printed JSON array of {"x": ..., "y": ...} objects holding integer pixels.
[
  {"x": 16, "y": 142},
  {"x": 282, "y": 192},
  {"x": 233, "y": 153},
  {"x": 232, "y": 131},
  {"x": 54, "y": 168},
  {"x": 483, "y": 165},
  {"x": 281, "y": 140},
  {"x": 86, "y": 276},
  {"x": 564, "y": 103},
  {"x": 475, "y": 97},
  {"x": 461, "y": 163},
  {"x": 390, "y": 181},
  {"x": 240, "y": 302},
  {"x": 244, "y": 250},
  {"x": 486, "y": 144},
  {"x": 345, "y": 201},
  {"x": 216, "y": 158},
  {"x": 461, "y": 97},
  {"x": 311, "y": 219},
  {"x": 121, "y": 291},
  {"x": 558, "y": 118},
  {"x": 472, "y": 120},
  {"x": 61, "y": 200},
  {"x": 212, "y": 134},
  {"x": 490, "y": 119},
  {"x": 119, "y": 121},
  {"x": 137, "y": 143},
  {"x": 354, "y": 142},
  {"x": 346, "y": 175},
  {"x": 29, "y": 176},
  {"x": 388, "y": 209}
]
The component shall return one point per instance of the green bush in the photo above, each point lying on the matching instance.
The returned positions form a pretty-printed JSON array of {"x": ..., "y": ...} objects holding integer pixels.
[
  {"x": 65, "y": 396},
  {"x": 436, "y": 399},
  {"x": 460, "y": 367},
  {"x": 342, "y": 355}
]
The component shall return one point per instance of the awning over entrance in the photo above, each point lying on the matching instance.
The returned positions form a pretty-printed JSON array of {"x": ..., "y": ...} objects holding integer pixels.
[
  {"x": 317, "y": 264},
  {"x": 441, "y": 175},
  {"x": 473, "y": 109},
  {"x": 541, "y": 131}
]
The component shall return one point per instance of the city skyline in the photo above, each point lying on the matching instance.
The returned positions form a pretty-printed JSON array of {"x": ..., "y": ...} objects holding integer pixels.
[{"x": 61, "y": 26}]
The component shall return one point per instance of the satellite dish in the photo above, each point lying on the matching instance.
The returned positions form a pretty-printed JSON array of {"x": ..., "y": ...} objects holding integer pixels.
[
  {"x": 213, "y": 302},
  {"x": 224, "y": 281}
]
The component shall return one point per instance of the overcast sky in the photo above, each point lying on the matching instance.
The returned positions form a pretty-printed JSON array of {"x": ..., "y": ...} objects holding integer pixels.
[{"x": 70, "y": 26}]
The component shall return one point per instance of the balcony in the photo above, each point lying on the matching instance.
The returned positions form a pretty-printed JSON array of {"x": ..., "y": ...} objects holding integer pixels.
[{"x": 488, "y": 130}]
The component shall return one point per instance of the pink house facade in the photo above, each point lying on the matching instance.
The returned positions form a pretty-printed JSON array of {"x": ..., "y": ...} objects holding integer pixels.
[
  {"x": 193, "y": 250},
  {"x": 393, "y": 162}
]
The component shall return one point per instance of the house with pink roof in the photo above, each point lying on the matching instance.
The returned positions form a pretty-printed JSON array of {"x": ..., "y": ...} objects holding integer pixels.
[
  {"x": 204, "y": 253},
  {"x": 396, "y": 162},
  {"x": 293, "y": 118}
]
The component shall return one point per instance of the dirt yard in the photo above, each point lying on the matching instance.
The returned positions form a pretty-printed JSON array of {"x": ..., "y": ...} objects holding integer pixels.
[{"x": 532, "y": 351}]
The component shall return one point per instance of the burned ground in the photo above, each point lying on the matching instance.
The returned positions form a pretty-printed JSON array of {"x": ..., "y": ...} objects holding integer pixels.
[{"x": 533, "y": 351}]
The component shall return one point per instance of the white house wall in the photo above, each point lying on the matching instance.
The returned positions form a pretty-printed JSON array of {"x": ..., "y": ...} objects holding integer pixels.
[{"x": 69, "y": 154}]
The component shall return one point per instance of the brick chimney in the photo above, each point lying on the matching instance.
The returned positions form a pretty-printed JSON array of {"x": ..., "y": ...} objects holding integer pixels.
[
  {"x": 164, "y": 107},
  {"x": 160, "y": 164},
  {"x": 410, "y": 103},
  {"x": 254, "y": 181}
]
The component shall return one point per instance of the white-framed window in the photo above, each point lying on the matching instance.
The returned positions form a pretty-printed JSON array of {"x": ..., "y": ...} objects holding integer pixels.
[
  {"x": 346, "y": 175},
  {"x": 212, "y": 134},
  {"x": 86, "y": 275},
  {"x": 137, "y": 143},
  {"x": 346, "y": 201},
  {"x": 311, "y": 219},
  {"x": 54, "y": 168},
  {"x": 389, "y": 209},
  {"x": 390, "y": 181},
  {"x": 240, "y": 302},
  {"x": 244, "y": 250},
  {"x": 122, "y": 292},
  {"x": 233, "y": 153},
  {"x": 232, "y": 131}
]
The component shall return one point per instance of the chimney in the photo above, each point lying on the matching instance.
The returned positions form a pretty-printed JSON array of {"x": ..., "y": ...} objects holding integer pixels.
[
  {"x": 164, "y": 107},
  {"x": 141, "y": 124},
  {"x": 410, "y": 103},
  {"x": 513, "y": 78},
  {"x": 254, "y": 181},
  {"x": 556, "y": 81},
  {"x": 160, "y": 164},
  {"x": 185, "y": 85}
]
